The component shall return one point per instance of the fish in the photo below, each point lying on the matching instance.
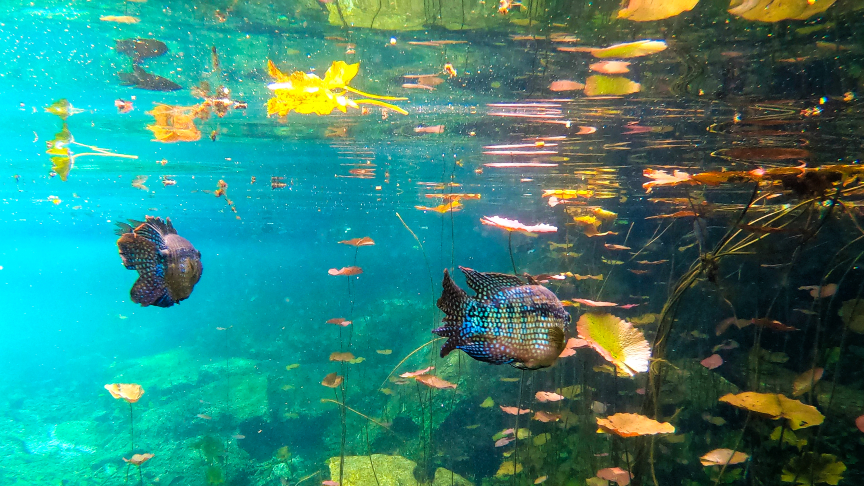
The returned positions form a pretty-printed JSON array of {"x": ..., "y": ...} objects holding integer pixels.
[
  {"x": 507, "y": 322},
  {"x": 139, "y": 48},
  {"x": 168, "y": 265},
  {"x": 140, "y": 78}
]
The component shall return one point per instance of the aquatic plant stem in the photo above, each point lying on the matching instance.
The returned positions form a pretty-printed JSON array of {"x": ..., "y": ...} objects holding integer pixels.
[
  {"x": 131, "y": 440},
  {"x": 516, "y": 428},
  {"x": 379, "y": 424}
]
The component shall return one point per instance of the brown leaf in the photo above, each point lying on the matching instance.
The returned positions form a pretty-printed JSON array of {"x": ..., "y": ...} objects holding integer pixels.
[
  {"x": 332, "y": 380},
  {"x": 434, "y": 382}
]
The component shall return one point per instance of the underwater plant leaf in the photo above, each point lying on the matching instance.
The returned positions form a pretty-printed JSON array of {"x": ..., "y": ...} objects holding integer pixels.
[
  {"x": 337, "y": 356},
  {"x": 719, "y": 457},
  {"x": 138, "y": 459},
  {"x": 610, "y": 67},
  {"x": 487, "y": 403},
  {"x": 663, "y": 178},
  {"x": 799, "y": 414},
  {"x": 433, "y": 381},
  {"x": 339, "y": 321},
  {"x": 131, "y": 392},
  {"x": 347, "y": 271},
  {"x": 412, "y": 374},
  {"x": 514, "y": 410},
  {"x": 513, "y": 225},
  {"x": 628, "y": 50},
  {"x": 764, "y": 403},
  {"x": 812, "y": 468},
  {"x": 820, "y": 292},
  {"x": 543, "y": 396},
  {"x": 859, "y": 422},
  {"x": 365, "y": 241},
  {"x": 615, "y": 474},
  {"x": 339, "y": 74},
  {"x": 712, "y": 362},
  {"x": 63, "y": 109},
  {"x": 120, "y": 19},
  {"x": 594, "y": 303},
  {"x": 648, "y": 10},
  {"x": 450, "y": 206},
  {"x": 776, "y": 406},
  {"x": 772, "y": 324},
  {"x": 542, "y": 416},
  {"x": 777, "y": 10},
  {"x": 616, "y": 340},
  {"x": 600, "y": 85},
  {"x": 62, "y": 166},
  {"x": 332, "y": 380},
  {"x": 508, "y": 469},
  {"x": 852, "y": 314},
  {"x": 633, "y": 424},
  {"x": 175, "y": 123},
  {"x": 384, "y": 351},
  {"x": 566, "y": 85},
  {"x": 805, "y": 381}
]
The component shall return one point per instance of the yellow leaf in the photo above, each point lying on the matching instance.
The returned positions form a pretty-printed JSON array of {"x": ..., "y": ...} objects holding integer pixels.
[{"x": 647, "y": 10}]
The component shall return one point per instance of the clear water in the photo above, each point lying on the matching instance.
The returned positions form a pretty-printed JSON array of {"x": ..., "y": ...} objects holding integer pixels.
[{"x": 223, "y": 398}]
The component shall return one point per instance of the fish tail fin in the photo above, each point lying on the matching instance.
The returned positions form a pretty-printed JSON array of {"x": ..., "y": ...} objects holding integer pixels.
[
  {"x": 453, "y": 301},
  {"x": 141, "y": 254}
]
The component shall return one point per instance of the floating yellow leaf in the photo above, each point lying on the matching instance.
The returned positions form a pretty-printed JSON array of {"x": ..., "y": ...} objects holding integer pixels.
[
  {"x": 646, "y": 10},
  {"x": 599, "y": 85},
  {"x": 307, "y": 93},
  {"x": 630, "y": 49},
  {"x": 777, "y": 10}
]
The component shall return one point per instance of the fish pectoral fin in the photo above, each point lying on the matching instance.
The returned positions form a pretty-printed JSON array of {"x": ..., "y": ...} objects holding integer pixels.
[
  {"x": 150, "y": 290},
  {"x": 556, "y": 338}
]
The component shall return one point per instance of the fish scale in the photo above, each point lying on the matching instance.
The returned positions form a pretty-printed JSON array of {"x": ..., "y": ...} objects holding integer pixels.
[{"x": 507, "y": 322}]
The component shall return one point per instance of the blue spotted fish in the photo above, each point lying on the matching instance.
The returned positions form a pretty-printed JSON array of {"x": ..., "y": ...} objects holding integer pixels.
[
  {"x": 168, "y": 265},
  {"x": 507, "y": 322}
]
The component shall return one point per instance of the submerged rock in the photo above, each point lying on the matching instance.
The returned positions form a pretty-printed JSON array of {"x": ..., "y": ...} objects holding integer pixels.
[{"x": 389, "y": 471}]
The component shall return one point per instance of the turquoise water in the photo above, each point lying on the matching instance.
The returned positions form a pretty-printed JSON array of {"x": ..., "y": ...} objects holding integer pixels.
[{"x": 232, "y": 376}]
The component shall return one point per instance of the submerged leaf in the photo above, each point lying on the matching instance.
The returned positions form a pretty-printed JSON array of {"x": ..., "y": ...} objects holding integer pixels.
[
  {"x": 719, "y": 457},
  {"x": 812, "y": 468},
  {"x": 348, "y": 271},
  {"x": 433, "y": 381},
  {"x": 630, "y": 49},
  {"x": 806, "y": 381},
  {"x": 332, "y": 380},
  {"x": 616, "y": 340},
  {"x": 775, "y": 406},
  {"x": 633, "y": 424}
]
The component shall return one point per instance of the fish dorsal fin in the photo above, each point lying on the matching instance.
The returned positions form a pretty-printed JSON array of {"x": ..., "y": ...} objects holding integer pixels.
[
  {"x": 154, "y": 230},
  {"x": 531, "y": 280},
  {"x": 487, "y": 284},
  {"x": 453, "y": 299}
]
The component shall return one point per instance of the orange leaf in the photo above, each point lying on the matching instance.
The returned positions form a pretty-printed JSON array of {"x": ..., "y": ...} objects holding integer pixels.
[
  {"x": 719, "y": 457},
  {"x": 543, "y": 396},
  {"x": 633, "y": 424},
  {"x": 514, "y": 410},
  {"x": 412, "y": 374},
  {"x": 434, "y": 382},
  {"x": 130, "y": 392},
  {"x": 339, "y": 321},
  {"x": 365, "y": 241},
  {"x": 542, "y": 416},
  {"x": 332, "y": 380},
  {"x": 138, "y": 459},
  {"x": 347, "y": 271}
]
